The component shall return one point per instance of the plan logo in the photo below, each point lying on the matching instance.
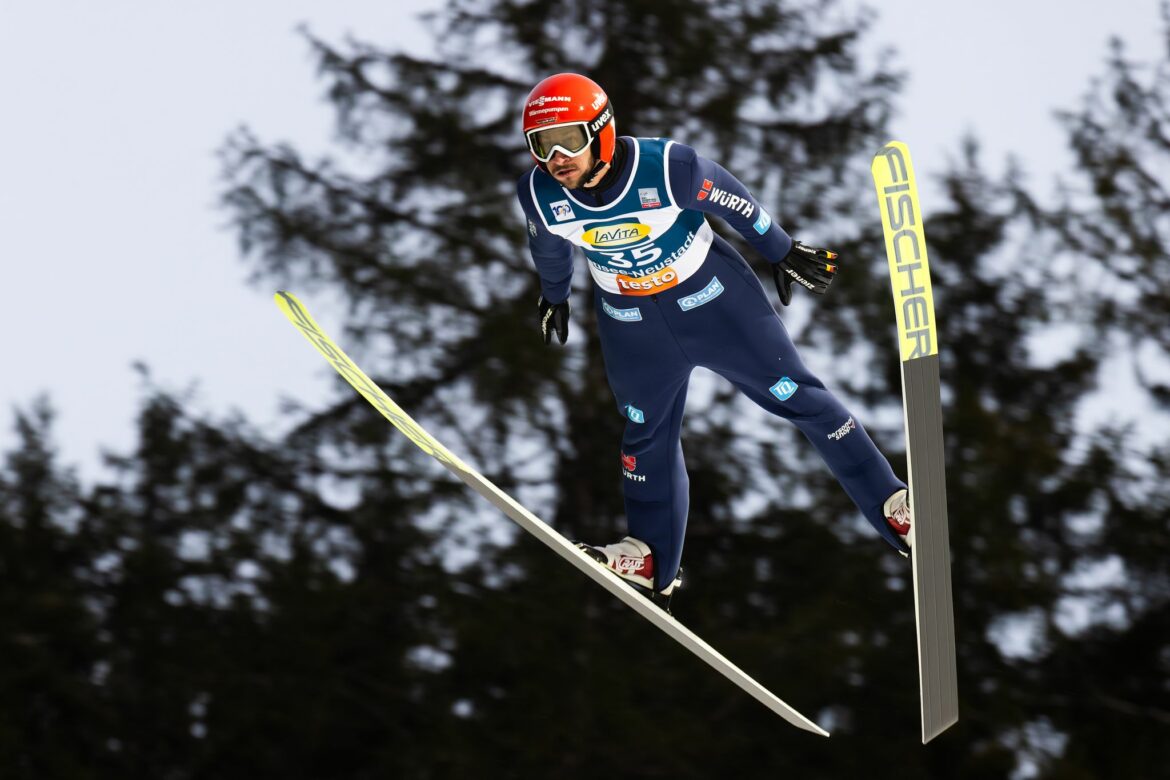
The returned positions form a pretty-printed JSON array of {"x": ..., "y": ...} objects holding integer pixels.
[
  {"x": 616, "y": 235},
  {"x": 561, "y": 210},
  {"x": 622, "y": 315},
  {"x": 706, "y": 295}
]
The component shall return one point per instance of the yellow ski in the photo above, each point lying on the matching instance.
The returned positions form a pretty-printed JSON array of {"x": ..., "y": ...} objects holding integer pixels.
[
  {"x": 897, "y": 192},
  {"x": 299, "y": 316}
]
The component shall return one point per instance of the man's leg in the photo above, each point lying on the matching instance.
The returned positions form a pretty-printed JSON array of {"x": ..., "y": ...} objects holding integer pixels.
[
  {"x": 656, "y": 486},
  {"x": 648, "y": 374},
  {"x": 739, "y": 335}
]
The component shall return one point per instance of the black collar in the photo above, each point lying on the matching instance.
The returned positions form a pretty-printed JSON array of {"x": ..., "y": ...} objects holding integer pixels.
[{"x": 612, "y": 176}]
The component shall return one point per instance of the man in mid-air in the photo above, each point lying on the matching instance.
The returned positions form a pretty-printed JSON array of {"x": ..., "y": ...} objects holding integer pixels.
[{"x": 671, "y": 295}]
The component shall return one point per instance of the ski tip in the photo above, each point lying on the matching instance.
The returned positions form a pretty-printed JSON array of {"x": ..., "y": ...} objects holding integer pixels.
[{"x": 286, "y": 300}]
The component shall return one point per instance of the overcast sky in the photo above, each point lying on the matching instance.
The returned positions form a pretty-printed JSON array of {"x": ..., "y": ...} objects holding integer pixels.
[{"x": 112, "y": 249}]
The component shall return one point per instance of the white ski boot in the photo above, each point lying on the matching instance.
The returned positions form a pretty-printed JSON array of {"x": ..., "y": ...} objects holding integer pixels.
[
  {"x": 897, "y": 512},
  {"x": 632, "y": 560}
]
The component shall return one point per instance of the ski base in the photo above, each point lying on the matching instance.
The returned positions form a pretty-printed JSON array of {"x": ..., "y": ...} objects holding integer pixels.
[{"x": 931, "y": 556}]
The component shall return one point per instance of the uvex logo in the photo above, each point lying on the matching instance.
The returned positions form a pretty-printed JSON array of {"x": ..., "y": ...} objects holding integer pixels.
[
  {"x": 600, "y": 121},
  {"x": 616, "y": 235}
]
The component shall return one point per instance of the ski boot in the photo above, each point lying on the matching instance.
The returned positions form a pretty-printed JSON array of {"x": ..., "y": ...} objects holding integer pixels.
[
  {"x": 897, "y": 512},
  {"x": 632, "y": 560}
]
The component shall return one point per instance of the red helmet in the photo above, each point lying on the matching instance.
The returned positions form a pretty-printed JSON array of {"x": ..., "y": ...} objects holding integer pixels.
[{"x": 569, "y": 113}]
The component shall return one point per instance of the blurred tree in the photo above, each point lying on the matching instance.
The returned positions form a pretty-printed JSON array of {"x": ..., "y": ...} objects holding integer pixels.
[
  {"x": 48, "y": 637},
  {"x": 1110, "y": 234}
]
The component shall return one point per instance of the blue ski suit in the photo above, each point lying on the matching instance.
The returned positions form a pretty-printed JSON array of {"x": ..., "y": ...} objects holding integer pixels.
[{"x": 671, "y": 295}]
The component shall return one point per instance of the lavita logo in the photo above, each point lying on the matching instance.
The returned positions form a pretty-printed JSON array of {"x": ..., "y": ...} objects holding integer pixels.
[{"x": 616, "y": 235}]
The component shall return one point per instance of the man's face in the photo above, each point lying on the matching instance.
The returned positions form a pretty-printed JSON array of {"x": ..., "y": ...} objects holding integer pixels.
[{"x": 570, "y": 172}]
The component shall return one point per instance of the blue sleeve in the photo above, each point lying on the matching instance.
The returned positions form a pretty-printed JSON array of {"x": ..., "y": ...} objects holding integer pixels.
[
  {"x": 551, "y": 254},
  {"x": 701, "y": 184}
]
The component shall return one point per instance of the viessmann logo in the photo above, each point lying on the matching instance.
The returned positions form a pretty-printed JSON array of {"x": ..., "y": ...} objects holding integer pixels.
[
  {"x": 616, "y": 235},
  {"x": 540, "y": 101}
]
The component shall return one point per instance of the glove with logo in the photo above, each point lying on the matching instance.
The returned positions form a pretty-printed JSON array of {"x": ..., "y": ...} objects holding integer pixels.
[
  {"x": 554, "y": 316},
  {"x": 811, "y": 268}
]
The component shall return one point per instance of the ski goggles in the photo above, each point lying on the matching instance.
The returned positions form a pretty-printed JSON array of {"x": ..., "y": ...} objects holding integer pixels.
[{"x": 570, "y": 139}]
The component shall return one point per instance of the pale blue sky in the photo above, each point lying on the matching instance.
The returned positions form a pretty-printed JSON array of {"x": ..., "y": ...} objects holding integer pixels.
[{"x": 111, "y": 246}]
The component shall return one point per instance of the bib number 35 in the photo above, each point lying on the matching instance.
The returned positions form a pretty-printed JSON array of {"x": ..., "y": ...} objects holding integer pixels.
[{"x": 638, "y": 257}]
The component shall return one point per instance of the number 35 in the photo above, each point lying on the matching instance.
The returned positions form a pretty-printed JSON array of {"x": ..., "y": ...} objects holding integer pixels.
[{"x": 643, "y": 255}]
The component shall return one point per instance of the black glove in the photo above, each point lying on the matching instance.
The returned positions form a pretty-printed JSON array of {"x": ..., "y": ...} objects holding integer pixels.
[
  {"x": 554, "y": 316},
  {"x": 812, "y": 268}
]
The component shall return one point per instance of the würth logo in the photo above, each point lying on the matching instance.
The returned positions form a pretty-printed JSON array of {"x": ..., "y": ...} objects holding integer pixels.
[{"x": 732, "y": 202}]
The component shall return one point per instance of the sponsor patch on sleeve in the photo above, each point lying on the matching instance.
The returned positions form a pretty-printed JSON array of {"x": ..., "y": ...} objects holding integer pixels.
[
  {"x": 763, "y": 222},
  {"x": 784, "y": 389}
]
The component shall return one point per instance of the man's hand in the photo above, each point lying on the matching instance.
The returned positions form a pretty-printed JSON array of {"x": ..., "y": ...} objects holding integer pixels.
[
  {"x": 814, "y": 269},
  {"x": 554, "y": 316}
]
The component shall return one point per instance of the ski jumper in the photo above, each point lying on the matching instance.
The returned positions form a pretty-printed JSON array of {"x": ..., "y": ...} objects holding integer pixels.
[{"x": 671, "y": 295}]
